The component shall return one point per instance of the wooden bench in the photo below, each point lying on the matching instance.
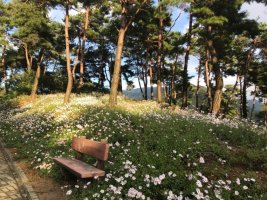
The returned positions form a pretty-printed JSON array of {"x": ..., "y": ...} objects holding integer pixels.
[{"x": 82, "y": 146}]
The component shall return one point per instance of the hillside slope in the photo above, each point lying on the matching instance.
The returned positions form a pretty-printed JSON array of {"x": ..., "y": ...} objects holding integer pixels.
[{"x": 155, "y": 153}]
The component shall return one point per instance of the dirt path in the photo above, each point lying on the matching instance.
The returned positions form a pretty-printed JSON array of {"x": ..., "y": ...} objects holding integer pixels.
[{"x": 45, "y": 188}]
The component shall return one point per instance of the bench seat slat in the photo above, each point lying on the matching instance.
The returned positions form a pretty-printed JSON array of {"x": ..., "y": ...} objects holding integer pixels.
[{"x": 79, "y": 168}]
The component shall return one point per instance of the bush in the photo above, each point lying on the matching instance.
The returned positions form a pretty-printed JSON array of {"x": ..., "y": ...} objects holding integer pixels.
[{"x": 20, "y": 84}]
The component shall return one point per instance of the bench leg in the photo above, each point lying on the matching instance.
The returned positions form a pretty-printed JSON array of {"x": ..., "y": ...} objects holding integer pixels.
[{"x": 69, "y": 177}]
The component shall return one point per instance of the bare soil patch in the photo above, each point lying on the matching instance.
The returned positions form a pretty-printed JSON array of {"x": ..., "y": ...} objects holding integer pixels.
[{"x": 45, "y": 188}]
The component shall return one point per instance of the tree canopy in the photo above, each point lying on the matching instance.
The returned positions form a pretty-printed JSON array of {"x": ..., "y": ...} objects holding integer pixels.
[{"x": 110, "y": 41}]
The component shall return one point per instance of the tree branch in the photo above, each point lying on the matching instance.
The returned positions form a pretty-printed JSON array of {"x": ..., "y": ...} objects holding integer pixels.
[
  {"x": 174, "y": 22},
  {"x": 136, "y": 13}
]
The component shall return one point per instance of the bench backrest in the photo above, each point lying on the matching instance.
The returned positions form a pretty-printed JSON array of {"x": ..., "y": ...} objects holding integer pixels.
[{"x": 99, "y": 150}]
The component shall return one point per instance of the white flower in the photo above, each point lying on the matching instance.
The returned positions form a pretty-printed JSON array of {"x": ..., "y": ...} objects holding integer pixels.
[
  {"x": 238, "y": 181},
  {"x": 236, "y": 193},
  {"x": 162, "y": 176},
  {"x": 135, "y": 194},
  {"x": 190, "y": 177},
  {"x": 245, "y": 187},
  {"x": 199, "y": 184},
  {"x": 79, "y": 126},
  {"x": 117, "y": 144},
  {"x": 201, "y": 160},
  {"x": 69, "y": 192},
  {"x": 204, "y": 179},
  {"x": 226, "y": 187},
  {"x": 156, "y": 181}
]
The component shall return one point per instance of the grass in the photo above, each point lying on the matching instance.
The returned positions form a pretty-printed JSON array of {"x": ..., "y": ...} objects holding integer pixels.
[{"x": 155, "y": 153}]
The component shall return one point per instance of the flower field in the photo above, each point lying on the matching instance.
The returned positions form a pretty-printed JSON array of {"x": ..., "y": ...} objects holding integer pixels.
[{"x": 155, "y": 153}]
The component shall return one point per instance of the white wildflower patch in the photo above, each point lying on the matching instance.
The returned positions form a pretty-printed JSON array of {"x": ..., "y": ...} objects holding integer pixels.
[{"x": 143, "y": 157}]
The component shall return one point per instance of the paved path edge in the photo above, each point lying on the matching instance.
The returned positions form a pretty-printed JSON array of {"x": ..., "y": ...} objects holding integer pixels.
[{"x": 25, "y": 188}]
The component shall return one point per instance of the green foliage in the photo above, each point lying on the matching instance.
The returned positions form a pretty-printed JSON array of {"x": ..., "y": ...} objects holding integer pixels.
[
  {"x": 230, "y": 103},
  {"x": 31, "y": 24},
  {"x": 20, "y": 84}
]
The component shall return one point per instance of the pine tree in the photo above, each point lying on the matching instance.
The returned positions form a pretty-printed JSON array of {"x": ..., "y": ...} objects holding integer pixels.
[
  {"x": 4, "y": 26},
  {"x": 128, "y": 12},
  {"x": 220, "y": 21},
  {"x": 187, "y": 51},
  {"x": 32, "y": 33}
]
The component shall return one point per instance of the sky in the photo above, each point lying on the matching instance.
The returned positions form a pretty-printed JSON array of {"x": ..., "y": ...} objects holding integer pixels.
[{"x": 255, "y": 11}]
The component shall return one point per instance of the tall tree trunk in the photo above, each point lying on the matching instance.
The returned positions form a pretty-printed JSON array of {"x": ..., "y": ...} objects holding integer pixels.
[
  {"x": 106, "y": 76},
  {"x": 75, "y": 81},
  {"x": 217, "y": 98},
  {"x": 245, "y": 84},
  {"x": 185, "y": 72},
  {"x": 101, "y": 75},
  {"x": 216, "y": 105},
  {"x": 173, "y": 88},
  {"x": 241, "y": 98},
  {"x": 254, "y": 102},
  {"x": 159, "y": 59},
  {"x": 4, "y": 79},
  {"x": 170, "y": 93},
  {"x": 265, "y": 108},
  {"x": 218, "y": 90},
  {"x": 82, "y": 63},
  {"x": 144, "y": 77},
  {"x": 244, "y": 99},
  {"x": 117, "y": 67},
  {"x": 207, "y": 80},
  {"x": 28, "y": 58},
  {"x": 197, "y": 89},
  {"x": 165, "y": 91},
  {"x": 140, "y": 86},
  {"x": 151, "y": 77},
  {"x": 37, "y": 75},
  {"x": 111, "y": 71},
  {"x": 120, "y": 83},
  {"x": 70, "y": 81}
]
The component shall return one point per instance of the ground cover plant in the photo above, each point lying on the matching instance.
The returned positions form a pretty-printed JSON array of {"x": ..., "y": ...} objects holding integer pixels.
[{"x": 155, "y": 153}]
